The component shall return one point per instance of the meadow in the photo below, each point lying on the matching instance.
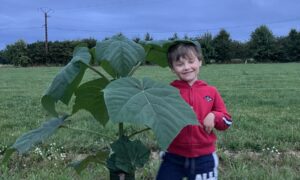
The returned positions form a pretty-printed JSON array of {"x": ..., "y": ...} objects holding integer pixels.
[{"x": 263, "y": 142}]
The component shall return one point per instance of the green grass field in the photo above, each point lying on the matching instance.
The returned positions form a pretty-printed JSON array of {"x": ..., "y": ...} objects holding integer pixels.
[{"x": 263, "y": 142}]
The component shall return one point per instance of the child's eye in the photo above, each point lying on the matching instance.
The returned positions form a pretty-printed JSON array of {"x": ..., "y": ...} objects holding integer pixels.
[
  {"x": 178, "y": 64},
  {"x": 191, "y": 61}
]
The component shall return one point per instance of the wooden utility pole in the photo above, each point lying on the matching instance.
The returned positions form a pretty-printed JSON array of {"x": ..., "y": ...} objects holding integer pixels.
[
  {"x": 46, "y": 33},
  {"x": 46, "y": 11}
]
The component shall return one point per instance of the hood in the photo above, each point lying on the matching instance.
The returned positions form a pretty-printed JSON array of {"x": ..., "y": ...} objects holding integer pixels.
[{"x": 184, "y": 84}]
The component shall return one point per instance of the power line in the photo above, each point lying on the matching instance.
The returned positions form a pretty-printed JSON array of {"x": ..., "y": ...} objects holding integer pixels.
[
  {"x": 31, "y": 27},
  {"x": 183, "y": 31},
  {"x": 72, "y": 29},
  {"x": 235, "y": 26},
  {"x": 103, "y": 5}
]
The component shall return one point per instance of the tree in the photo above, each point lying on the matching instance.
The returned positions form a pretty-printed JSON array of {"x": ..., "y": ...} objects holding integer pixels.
[
  {"x": 239, "y": 50},
  {"x": 3, "y": 61},
  {"x": 222, "y": 46},
  {"x": 36, "y": 52},
  {"x": 2, "y": 57},
  {"x": 207, "y": 47},
  {"x": 293, "y": 45},
  {"x": 14, "y": 52},
  {"x": 91, "y": 42},
  {"x": 262, "y": 44},
  {"x": 174, "y": 37},
  {"x": 148, "y": 37},
  {"x": 60, "y": 52},
  {"x": 136, "y": 39},
  {"x": 280, "y": 49},
  {"x": 186, "y": 37}
]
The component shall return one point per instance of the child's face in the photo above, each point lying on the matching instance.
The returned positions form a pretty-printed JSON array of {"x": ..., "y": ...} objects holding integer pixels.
[{"x": 187, "y": 68}]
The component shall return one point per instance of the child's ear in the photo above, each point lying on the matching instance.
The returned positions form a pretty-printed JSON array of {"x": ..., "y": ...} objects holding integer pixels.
[{"x": 200, "y": 62}]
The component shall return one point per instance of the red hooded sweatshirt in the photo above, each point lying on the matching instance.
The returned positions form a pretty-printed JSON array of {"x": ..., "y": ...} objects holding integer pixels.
[{"x": 193, "y": 140}]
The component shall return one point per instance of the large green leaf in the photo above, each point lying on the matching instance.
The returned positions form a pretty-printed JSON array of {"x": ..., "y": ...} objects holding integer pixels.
[
  {"x": 121, "y": 53},
  {"x": 33, "y": 137},
  {"x": 156, "y": 51},
  {"x": 67, "y": 80},
  {"x": 109, "y": 69},
  {"x": 100, "y": 158},
  {"x": 128, "y": 155},
  {"x": 89, "y": 96},
  {"x": 147, "y": 102}
]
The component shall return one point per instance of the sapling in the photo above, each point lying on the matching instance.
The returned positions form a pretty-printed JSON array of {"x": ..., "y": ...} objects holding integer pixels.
[{"x": 114, "y": 96}]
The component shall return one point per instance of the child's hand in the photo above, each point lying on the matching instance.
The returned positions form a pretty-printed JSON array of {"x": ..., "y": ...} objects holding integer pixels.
[{"x": 209, "y": 122}]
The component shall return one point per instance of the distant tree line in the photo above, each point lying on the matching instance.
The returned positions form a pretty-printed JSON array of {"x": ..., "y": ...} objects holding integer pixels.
[
  {"x": 59, "y": 52},
  {"x": 263, "y": 46}
]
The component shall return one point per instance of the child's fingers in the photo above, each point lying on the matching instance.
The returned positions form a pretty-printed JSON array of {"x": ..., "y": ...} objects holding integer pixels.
[{"x": 208, "y": 129}]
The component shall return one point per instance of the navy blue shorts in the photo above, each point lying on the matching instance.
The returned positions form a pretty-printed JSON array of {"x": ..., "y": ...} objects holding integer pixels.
[{"x": 175, "y": 167}]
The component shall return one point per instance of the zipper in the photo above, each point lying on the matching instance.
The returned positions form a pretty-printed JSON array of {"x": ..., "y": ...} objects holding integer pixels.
[
  {"x": 191, "y": 99},
  {"x": 190, "y": 128}
]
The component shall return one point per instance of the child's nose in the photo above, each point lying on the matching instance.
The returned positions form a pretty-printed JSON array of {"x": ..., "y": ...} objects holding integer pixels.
[{"x": 186, "y": 66}]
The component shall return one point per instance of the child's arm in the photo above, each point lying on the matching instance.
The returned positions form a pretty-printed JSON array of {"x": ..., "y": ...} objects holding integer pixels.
[{"x": 222, "y": 118}]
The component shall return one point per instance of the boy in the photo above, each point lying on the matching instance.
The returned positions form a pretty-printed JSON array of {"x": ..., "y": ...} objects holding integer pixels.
[{"x": 192, "y": 153}]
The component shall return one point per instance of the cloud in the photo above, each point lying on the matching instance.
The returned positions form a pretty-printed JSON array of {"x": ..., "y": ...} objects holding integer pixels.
[{"x": 83, "y": 19}]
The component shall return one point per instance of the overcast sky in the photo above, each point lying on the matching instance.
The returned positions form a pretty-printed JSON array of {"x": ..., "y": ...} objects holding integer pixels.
[{"x": 77, "y": 19}]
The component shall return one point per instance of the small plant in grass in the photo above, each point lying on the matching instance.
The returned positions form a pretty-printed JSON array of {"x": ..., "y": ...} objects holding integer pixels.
[
  {"x": 3, "y": 148},
  {"x": 114, "y": 96},
  {"x": 51, "y": 152},
  {"x": 271, "y": 150}
]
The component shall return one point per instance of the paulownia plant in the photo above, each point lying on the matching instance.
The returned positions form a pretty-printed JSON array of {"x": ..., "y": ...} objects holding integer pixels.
[{"x": 116, "y": 97}]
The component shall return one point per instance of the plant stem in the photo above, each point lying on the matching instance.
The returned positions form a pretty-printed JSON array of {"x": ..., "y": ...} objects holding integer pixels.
[
  {"x": 96, "y": 71},
  {"x": 121, "y": 130},
  {"x": 134, "y": 68},
  {"x": 137, "y": 132},
  {"x": 88, "y": 131},
  {"x": 148, "y": 51}
]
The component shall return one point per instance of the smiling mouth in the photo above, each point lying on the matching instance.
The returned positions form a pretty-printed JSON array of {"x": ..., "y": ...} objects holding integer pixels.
[{"x": 187, "y": 72}]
